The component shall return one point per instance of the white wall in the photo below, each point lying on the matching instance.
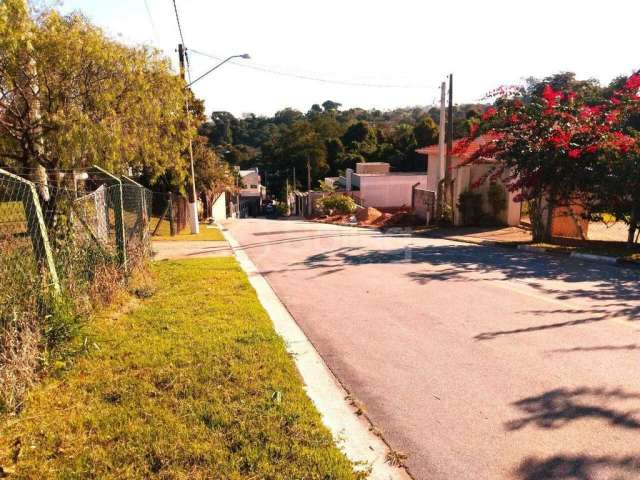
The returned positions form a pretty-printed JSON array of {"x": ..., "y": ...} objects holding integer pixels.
[
  {"x": 219, "y": 208},
  {"x": 386, "y": 191}
]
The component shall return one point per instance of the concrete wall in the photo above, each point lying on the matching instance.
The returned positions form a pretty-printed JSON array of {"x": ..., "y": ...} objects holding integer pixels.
[
  {"x": 373, "y": 167},
  {"x": 219, "y": 208},
  {"x": 384, "y": 191}
]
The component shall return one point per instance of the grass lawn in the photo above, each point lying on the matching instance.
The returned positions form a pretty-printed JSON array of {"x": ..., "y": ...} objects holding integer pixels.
[
  {"x": 206, "y": 233},
  {"x": 191, "y": 382}
]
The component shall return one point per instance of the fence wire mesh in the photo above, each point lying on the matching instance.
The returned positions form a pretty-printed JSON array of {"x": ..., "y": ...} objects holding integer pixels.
[{"x": 61, "y": 252}]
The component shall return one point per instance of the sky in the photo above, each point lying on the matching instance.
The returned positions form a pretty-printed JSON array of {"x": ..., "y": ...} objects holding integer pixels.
[{"x": 389, "y": 53}]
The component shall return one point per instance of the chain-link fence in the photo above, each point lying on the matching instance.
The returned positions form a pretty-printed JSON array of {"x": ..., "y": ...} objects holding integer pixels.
[{"x": 64, "y": 247}]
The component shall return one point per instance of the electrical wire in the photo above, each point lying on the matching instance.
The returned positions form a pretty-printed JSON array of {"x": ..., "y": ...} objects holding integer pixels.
[
  {"x": 175, "y": 9},
  {"x": 267, "y": 69},
  {"x": 184, "y": 45},
  {"x": 154, "y": 30}
]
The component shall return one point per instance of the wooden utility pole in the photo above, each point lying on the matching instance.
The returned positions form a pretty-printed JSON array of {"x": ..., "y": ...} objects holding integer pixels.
[{"x": 308, "y": 174}]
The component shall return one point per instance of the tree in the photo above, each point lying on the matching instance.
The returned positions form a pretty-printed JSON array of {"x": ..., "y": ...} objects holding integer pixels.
[
  {"x": 70, "y": 97},
  {"x": 330, "y": 106},
  {"x": 426, "y": 132},
  {"x": 555, "y": 146}
]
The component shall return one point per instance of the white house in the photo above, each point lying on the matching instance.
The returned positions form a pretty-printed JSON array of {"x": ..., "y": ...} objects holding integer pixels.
[
  {"x": 251, "y": 193},
  {"x": 465, "y": 178},
  {"x": 374, "y": 185}
]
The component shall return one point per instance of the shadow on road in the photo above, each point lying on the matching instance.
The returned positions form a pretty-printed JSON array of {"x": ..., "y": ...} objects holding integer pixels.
[
  {"x": 580, "y": 467},
  {"x": 616, "y": 289},
  {"x": 557, "y": 408}
]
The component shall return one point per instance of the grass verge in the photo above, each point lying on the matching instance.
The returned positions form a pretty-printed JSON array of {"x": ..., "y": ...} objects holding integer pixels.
[
  {"x": 206, "y": 233},
  {"x": 191, "y": 382}
]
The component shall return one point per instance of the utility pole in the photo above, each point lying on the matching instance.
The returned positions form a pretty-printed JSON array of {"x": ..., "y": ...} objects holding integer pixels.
[
  {"x": 447, "y": 174},
  {"x": 193, "y": 197},
  {"x": 441, "y": 142},
  {"x": 308, "y": 174},
  {"x": 294, "y": 179}
]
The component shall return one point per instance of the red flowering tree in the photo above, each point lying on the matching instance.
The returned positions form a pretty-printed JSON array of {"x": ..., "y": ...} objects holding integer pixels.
[{"x": 556, "y": 142}]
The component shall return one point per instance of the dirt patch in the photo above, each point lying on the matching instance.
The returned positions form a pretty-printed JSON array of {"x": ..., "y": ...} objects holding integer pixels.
[{"x": 374, "y": 217}]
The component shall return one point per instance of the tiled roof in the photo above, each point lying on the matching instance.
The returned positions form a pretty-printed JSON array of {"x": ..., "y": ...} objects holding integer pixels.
[{"x": 470, "y": 150}]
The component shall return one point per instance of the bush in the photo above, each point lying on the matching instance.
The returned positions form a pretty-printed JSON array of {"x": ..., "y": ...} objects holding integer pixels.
[
  {"x": 497, "y": 198},
  {"x": 470, "y": 205},
  {"x": 336, "y": 204}
]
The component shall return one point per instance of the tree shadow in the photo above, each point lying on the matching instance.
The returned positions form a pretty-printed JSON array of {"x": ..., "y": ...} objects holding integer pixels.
[
  {"x": 557, "y": 408},
  {"x": 598, "y": 348},
  {"x": 580, "y": 467},
  {"x": 611, "y": 286}
]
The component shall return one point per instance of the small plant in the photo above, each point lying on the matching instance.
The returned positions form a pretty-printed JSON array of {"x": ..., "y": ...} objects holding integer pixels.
[
  {"x": 470, "y": 206},
  {"x": 341, "y": 204},
  {"x": 497, "y": 198}
]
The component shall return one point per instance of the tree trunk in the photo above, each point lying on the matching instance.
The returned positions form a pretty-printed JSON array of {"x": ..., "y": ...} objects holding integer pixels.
[
  {"x": 540, "y": 230},
  {"x": 633, "y": 223}
]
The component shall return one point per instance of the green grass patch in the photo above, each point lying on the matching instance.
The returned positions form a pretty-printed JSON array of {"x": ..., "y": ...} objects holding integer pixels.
[
  {"x": 191, "y": 382},
  {"x": 206, "y": 233}
]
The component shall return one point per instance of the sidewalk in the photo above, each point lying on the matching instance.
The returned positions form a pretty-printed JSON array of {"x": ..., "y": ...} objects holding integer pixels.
[{"x": 209, "y": 243}]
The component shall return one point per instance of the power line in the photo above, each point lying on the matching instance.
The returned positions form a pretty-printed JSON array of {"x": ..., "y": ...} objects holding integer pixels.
[
  {"x": 186, "y": 56},
  {"x": 175, "y": 9},
  {"x": 151, "y": 22},
  {"x": 267, "y": 69}
]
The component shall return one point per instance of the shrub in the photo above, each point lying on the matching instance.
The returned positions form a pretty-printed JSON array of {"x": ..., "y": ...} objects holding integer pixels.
[
  {"x": 470, "y": 205},
  {"x": 341, "y": 204},
  {"x": 497, "y": 198}
]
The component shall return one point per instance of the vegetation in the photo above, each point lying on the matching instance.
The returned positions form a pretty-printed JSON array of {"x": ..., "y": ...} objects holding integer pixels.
[
  {"x": 191, "y": 382},
  {"x": 327, "y": 139},
  {"x": 561, "y": 141},
  {"x": 341, "y": 204},
  {"x": 206, "y": 233},
  {"x": 470, "y": 206}
]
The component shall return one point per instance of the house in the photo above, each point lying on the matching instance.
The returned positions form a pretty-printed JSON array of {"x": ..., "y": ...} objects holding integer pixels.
[
  {"x": 374, "y": 185},
  {"x": 251, "y": 193},
  {"x": 466, "y": 177}
]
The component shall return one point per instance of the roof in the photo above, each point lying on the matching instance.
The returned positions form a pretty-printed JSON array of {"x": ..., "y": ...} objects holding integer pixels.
[{"x": 473, "y": 147}]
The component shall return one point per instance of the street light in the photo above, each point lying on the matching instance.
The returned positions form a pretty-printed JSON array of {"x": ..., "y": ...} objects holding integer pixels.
[
  {"x": 246, "y": 56},
  {"x": 195, "y": 226}
]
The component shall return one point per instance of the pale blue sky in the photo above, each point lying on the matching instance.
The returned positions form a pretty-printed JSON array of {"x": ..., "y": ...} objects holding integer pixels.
[{"x": 400, "y": 42}]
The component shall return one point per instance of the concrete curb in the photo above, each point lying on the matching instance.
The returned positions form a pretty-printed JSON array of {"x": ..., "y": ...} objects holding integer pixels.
[
  {"x": 595, "y": 258},
  {"x": 352, "y": 433}
]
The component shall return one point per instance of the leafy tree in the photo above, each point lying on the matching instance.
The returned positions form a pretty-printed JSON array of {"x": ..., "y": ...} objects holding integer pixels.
[
  {"x": 330, "y": 106},
  {"x": 426, "y": 132},
  {"x": 70, "y": 97},
  {"x": 557, "y": 146}
]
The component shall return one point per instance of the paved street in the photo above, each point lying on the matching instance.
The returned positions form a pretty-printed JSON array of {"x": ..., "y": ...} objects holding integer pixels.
[{"x": 477, "y": 362}]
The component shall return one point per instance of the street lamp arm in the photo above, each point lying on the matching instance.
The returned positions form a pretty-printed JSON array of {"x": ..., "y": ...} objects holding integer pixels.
[{"x": 245, "y": 55}]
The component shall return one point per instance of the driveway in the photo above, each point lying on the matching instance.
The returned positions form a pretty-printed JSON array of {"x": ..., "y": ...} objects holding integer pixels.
[{"x": 477, "y": 362}]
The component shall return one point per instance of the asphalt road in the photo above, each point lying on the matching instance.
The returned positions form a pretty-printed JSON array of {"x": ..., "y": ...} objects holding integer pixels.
[{"x": 477, "y": 362}]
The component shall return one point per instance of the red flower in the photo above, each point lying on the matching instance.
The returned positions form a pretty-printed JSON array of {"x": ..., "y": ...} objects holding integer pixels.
[
  {"x": 560, "y": 139},
  {"x": 489, "y": 112},
  {"x": 571, "y": 96},
  {"x": 575, "y": 153},
  {"x": 612, "y": 116},
  {"x": 633, "y": 82},
  {"x": 517, "y": 103},
  {"x": 591, "y": 149},
  {"x": 550, "y": 96}
]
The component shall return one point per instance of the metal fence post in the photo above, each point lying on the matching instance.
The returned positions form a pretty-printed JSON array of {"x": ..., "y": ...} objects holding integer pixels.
[
  {"x": 37, "y": 228},
  {"x": 118, "y": 209}
]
